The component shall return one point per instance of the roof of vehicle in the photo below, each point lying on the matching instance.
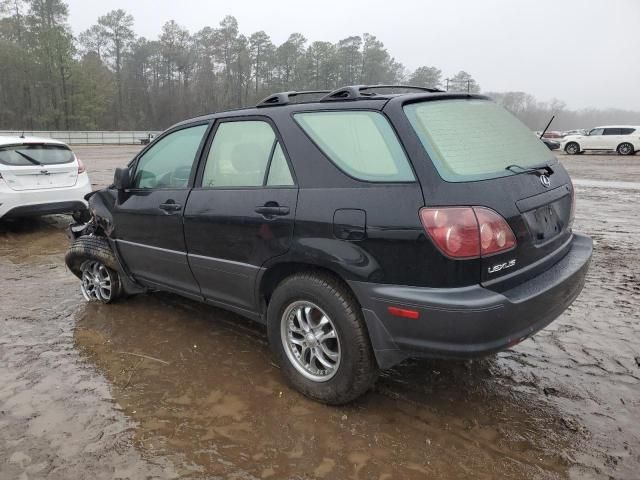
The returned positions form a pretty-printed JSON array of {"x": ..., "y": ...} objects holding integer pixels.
[
  {"x": 359, "y": 96},
  {"x": 28, "y": 140}
]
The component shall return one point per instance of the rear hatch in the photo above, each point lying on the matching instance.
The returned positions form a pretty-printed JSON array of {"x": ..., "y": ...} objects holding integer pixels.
[
  {"x": 481, "y": 155},
  {"x": 32, "y": 166}
]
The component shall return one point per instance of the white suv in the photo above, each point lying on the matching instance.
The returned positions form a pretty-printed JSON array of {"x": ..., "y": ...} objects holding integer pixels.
[
  {"x": 40, "y": 176},
  {"x": 624, "y": 139}
]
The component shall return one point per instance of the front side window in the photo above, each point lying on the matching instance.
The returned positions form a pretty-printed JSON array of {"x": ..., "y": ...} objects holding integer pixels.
[
  {"x": 241, "y": 154},
  {"x": 474, "y": 139},
  {"x": 596, "y": 131},
  {"x": 35, "y": 154},
  {"x": 361, "y": 143},
  {"x": 168, "y": 163}
]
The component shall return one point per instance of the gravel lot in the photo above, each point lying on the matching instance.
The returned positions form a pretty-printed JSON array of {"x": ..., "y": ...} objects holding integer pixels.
[{"x": 205, "y": 401}]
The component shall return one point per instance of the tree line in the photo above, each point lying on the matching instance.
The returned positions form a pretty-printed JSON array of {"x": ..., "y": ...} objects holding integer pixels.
[{"x": 109, "y": 78}]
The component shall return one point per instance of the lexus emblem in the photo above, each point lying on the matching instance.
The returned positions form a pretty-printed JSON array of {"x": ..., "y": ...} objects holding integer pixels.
[{"x": 544, "y": 180}]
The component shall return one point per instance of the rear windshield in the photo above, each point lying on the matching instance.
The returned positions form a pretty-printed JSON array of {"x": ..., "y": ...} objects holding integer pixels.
[
  {"x": 474, "y": 139},
  {"x": 21, "y": 155}
]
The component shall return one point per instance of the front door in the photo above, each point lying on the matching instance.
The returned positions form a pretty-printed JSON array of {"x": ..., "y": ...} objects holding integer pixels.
[
  {"x": 148, "y": 217},
  {"x": 595, "y": 140},
  {"x": 241, "y": 211}
]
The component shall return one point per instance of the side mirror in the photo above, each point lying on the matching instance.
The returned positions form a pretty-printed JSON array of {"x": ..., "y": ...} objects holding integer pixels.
[{"x": 121, "y": 179}]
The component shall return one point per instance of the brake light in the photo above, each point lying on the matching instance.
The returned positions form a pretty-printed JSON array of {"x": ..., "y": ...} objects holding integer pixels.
[
  {"x": 81, "y": 167},
  {"x": 467, "y": 232}
]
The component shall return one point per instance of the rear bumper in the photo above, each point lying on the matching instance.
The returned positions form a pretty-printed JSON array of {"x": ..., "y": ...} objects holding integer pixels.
[
  {"x": 470, "y": 321},
  {"x": 20, "y": 203}
]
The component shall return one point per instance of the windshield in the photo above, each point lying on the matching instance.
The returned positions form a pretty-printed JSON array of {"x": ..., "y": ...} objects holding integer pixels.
[
  {"x": 42, "y": 154},
  {"x": 474, "y": 139}
]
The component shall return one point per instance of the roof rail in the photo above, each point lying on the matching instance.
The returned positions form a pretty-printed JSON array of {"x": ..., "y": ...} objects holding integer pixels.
[
  {"x": 353, "y": 92},
  {"x": 284, "y": 98}
]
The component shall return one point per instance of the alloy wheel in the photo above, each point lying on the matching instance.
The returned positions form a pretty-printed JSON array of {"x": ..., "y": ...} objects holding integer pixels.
[
  {"x": 310, "y": 341},
  {"x": 97, "y": 282}
]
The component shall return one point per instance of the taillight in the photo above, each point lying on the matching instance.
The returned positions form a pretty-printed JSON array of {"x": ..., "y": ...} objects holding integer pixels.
[
  {"x": 467, "y": 232},
  {"x": 495, "y": 234},
  {"x": 81, "y": 167}
]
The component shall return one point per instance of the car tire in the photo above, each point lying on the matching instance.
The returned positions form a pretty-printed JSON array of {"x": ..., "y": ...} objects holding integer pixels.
[
  {"x": 572, "y": 148},
  {"x": 625, "y": 149},
  {"x": 91, "y": 259},
  {"x": 341, "y": 367}
]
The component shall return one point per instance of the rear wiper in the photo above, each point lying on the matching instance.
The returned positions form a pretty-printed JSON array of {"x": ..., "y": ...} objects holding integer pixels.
[
  {"x": 537, "y": 170},
  {"x": 28, "y": 158}
]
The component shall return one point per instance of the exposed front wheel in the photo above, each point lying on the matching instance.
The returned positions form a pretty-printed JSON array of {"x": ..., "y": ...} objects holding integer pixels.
[
  {"x": 572, "y": 148},
  {"x": 319, "y": 338},
  {"x": 90, "y": 259},
  {"x": 98, "y": 282},
  {"x": 625, "y": 149}
]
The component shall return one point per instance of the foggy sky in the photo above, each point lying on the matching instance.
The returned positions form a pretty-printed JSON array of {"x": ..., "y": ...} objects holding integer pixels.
[{"x": 585, "y": 52}]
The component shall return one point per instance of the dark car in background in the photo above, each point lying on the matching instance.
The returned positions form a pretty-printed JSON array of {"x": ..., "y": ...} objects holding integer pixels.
[{"x": 362, "y": 228}]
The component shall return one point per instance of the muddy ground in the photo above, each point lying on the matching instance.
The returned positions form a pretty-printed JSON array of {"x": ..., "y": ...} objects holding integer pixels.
[{"x": 162, "y": 387}]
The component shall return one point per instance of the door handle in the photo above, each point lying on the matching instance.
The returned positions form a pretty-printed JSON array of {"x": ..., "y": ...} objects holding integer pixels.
[
  {"x": 272, "y": 210},
  {"x": 170, "y": 206}
]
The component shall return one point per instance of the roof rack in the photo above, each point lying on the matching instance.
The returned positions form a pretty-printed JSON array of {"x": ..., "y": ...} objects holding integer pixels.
[
  {"x": 284, "y": 98},
  {"x": 353, "y": 92}
]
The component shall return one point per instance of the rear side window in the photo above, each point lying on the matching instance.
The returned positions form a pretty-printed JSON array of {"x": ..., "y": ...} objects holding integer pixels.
[
  {"x": 279, "y": 173},
  {"x": 241, "y": 154},
  {"x": 612, "y": 131},
  {"x": 474, "y": 139},
  {"x": 361, "y": 143},
  {"x": 24, "y": 155},
  {"x": 627, "y": 131}
]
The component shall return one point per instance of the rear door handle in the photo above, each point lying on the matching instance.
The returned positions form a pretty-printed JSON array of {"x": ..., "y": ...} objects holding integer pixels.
[
  {"x": 272, "y": 210},
  {"x": 170, "y": 206}
]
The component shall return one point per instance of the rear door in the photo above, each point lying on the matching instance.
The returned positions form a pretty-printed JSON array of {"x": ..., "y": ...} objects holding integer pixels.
[
  {"x": 148, "y": 217},
  {"x": 241, "y": 211},
  {"x": 611, "y": 138},
  {"x": 33, "y": 166}
]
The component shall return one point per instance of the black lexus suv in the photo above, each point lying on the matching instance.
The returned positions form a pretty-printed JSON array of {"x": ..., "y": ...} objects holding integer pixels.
[{"x": 363, "y": 226}]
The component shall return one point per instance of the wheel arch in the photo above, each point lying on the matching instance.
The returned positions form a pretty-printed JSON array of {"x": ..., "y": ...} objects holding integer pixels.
[
  {"x": 634, "y": 146},
  {"x": 272, "y": 276}
]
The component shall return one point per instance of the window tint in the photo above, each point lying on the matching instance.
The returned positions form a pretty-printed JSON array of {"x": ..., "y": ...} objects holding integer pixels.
[
  {"x": 474, "y": 139},
  {"x": 596, "y": 131},
  {"x": 360, "y": 143},
  {"x": 239, "y": 154},
  {"x": 23, "y": 155},
  {"x": 611, "y": 131},
  {"x": 167, "y": 164},
  {"x": 279, "y": 173},
  {"x": 627, "y": 131}
]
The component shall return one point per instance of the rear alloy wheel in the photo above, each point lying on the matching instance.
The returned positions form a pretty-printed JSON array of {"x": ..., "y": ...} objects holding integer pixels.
[
  {"x": 319, "y": 338},
  {"x": 98, "y": 282},
  {"x": 310, "y": 340},
  {"x": 572, "y": 148},
  {"x": 625, "y": 149}
]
